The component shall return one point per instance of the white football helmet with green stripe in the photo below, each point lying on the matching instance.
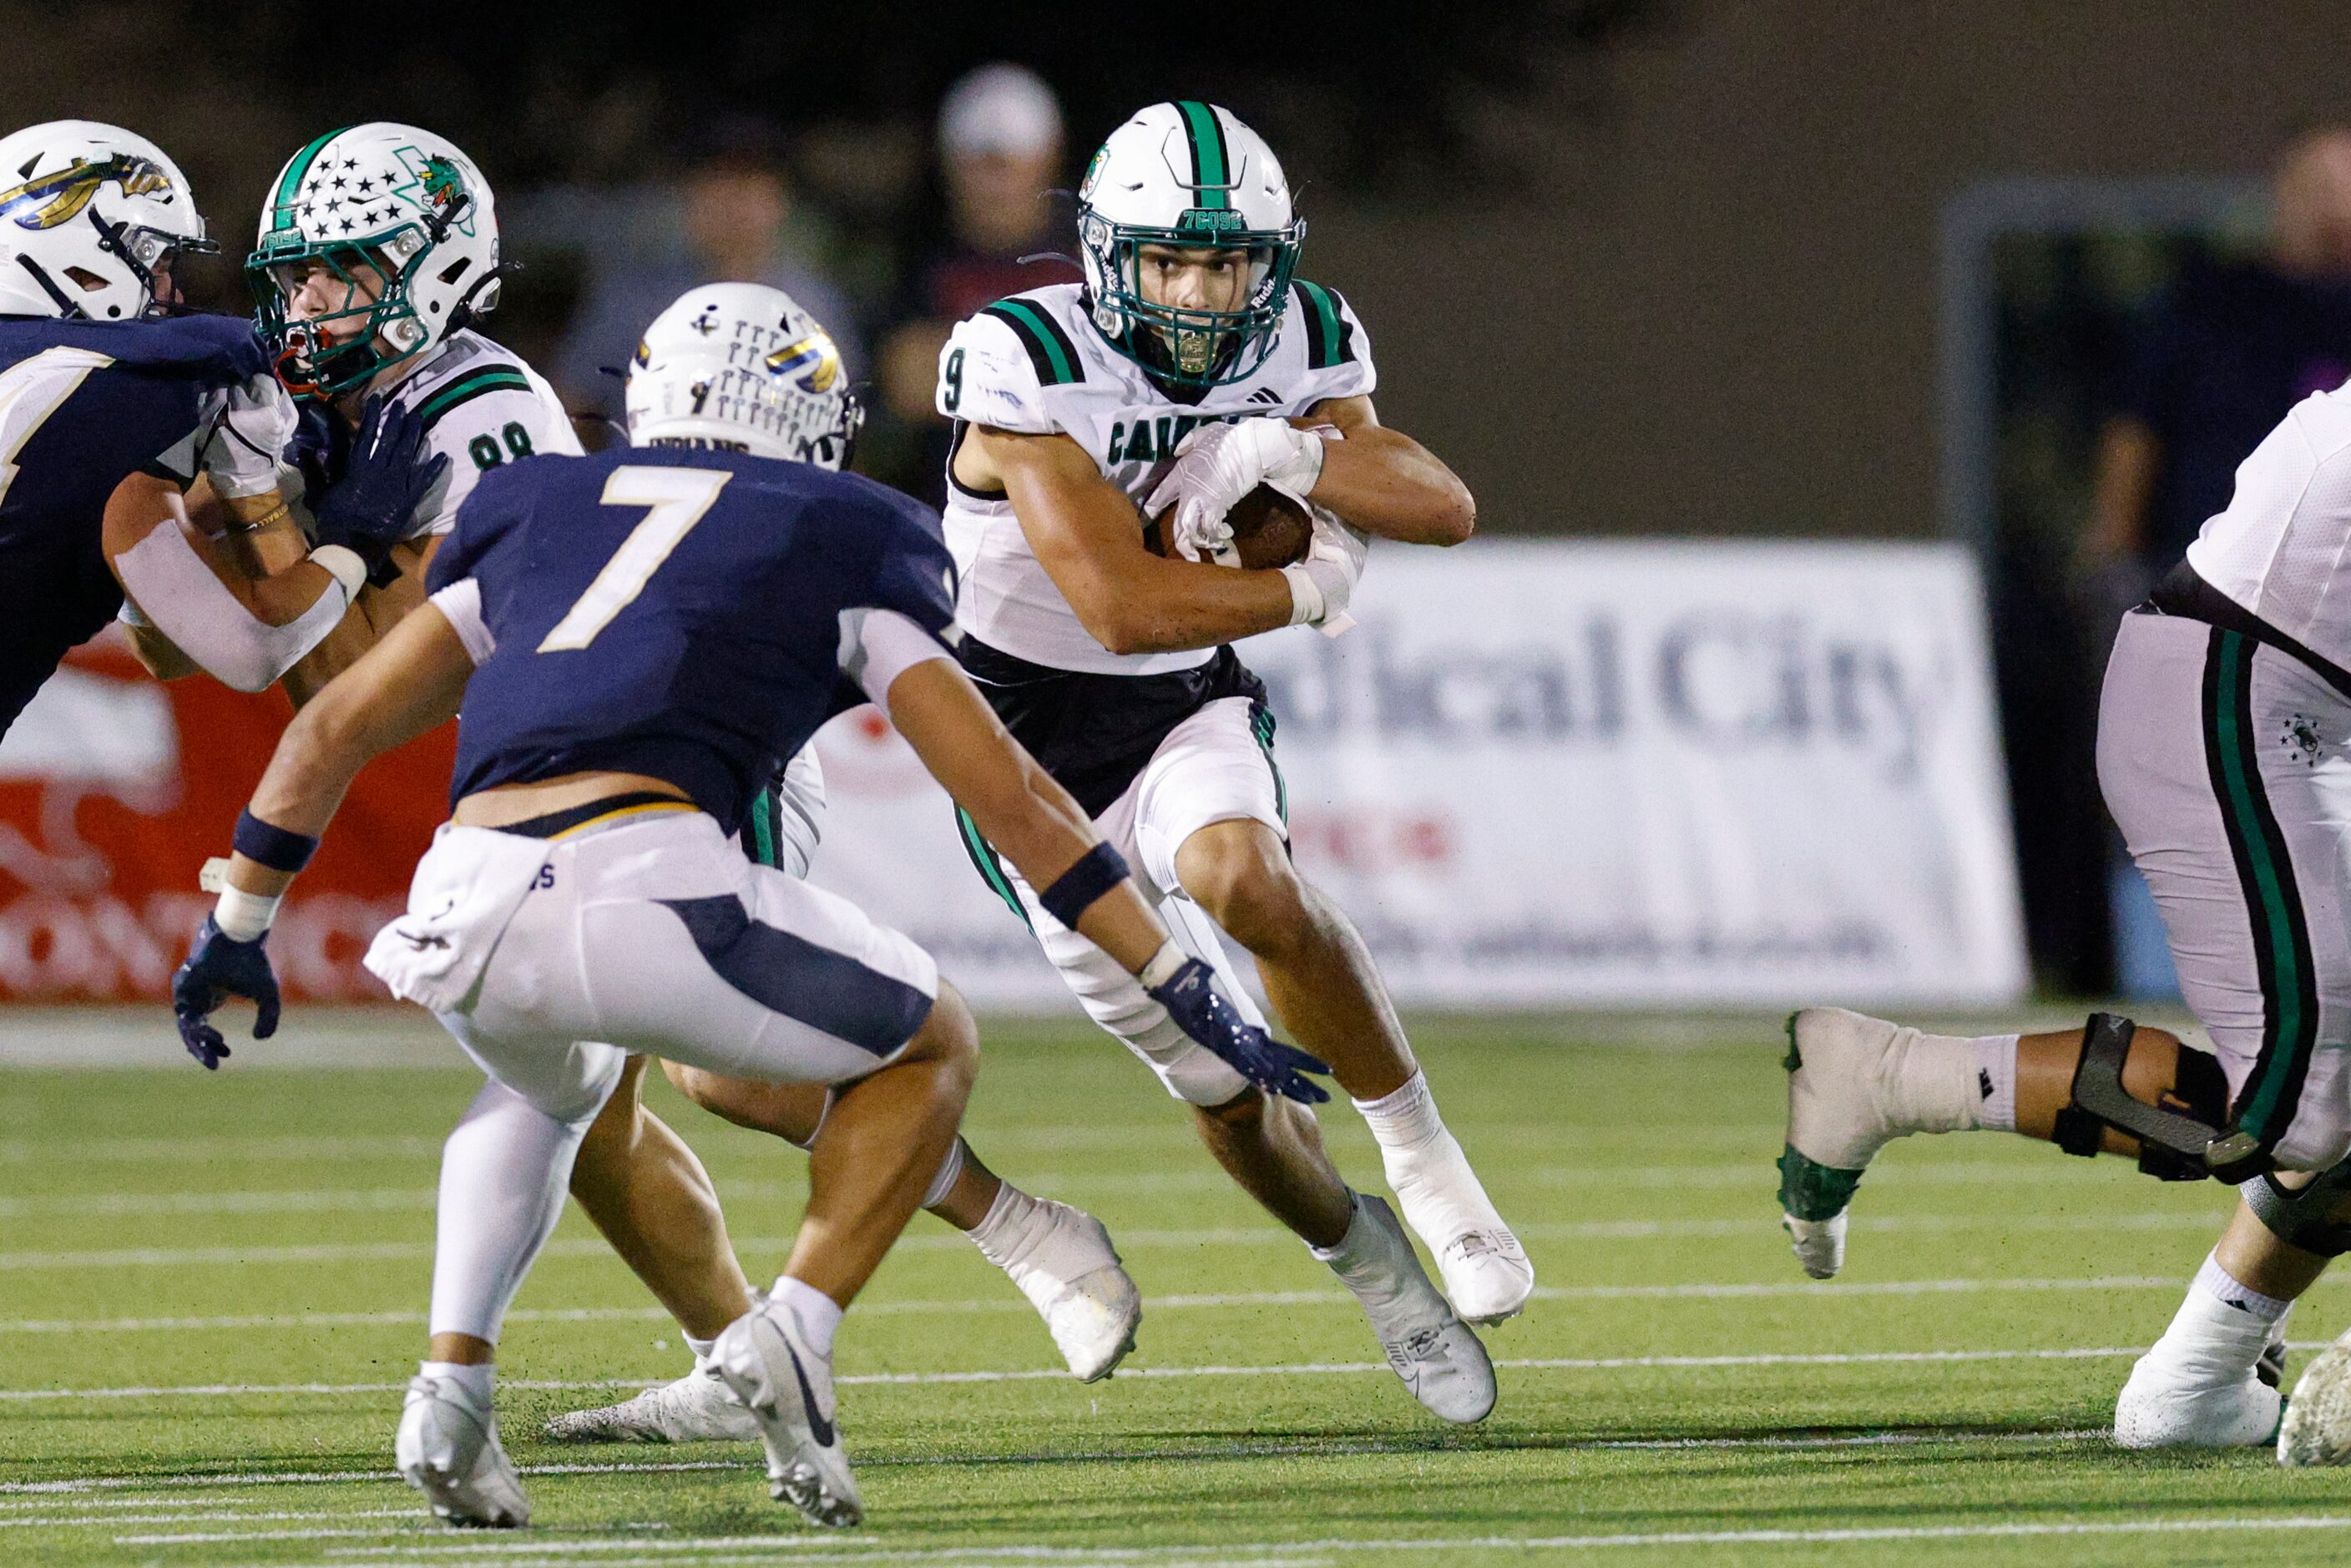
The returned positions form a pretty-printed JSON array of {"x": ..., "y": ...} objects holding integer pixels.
[
  {"x": 402, "y": 202},
  {"x": 1189, "y": 175}
]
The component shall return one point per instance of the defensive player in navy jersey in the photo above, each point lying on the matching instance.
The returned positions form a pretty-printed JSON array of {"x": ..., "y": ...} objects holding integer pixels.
[
  {"x": 107, "y": 400},
  {"x": 638, "y": 640}
]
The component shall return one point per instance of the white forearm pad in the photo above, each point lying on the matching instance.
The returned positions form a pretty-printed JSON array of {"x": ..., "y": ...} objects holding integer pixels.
[
  {"x": 203, "y": 619},
  {"x": 877, "y": 646}
]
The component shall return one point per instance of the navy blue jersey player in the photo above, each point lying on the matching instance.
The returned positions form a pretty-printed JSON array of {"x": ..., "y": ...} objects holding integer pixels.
[
  {"x": 637, "y": 640},
  {"x": 110, "y": 408},
  {"x": 92, "y": 387}
]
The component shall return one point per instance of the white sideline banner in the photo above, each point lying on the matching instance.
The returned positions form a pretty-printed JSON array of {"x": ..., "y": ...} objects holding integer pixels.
[{"x": 1568, "y": 774}]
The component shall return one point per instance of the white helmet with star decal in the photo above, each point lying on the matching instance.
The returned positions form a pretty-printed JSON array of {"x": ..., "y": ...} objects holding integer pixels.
[
  {"x": 89, "y": 214},
  {"x": 405, "y": 224}
]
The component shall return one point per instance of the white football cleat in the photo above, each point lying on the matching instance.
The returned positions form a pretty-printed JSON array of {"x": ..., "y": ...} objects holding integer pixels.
[
  {"x": 1854, "y": 1084},
  {"x": 447, "y": 1447},
  {"x": 1487, "y": 1274},
  {"x": 1431, "y": 1349},
  {"x": 788, "y": 1388},
  {"x": 1485, "y": 1269},
  {"x": 1070, "y": 1273},
  {"x": 697, "y": 1408},
  {"x": 2161, "y": 1409}
]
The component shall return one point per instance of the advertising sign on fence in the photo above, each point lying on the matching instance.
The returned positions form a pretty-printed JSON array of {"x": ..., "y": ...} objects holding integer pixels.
[
  {"x": 1557, "y": 774},
  {"x": 1584, "y": 774}
]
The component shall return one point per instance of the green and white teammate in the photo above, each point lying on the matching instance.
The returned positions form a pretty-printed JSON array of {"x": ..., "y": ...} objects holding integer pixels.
[{"x": 1192, "y": 335}]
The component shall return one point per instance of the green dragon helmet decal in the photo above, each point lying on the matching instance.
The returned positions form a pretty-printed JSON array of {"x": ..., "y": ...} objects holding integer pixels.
[{"x": 379, "y": 241}]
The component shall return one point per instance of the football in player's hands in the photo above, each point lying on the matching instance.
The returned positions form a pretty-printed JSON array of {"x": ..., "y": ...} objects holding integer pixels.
[{"x": 1270, "y": 529}]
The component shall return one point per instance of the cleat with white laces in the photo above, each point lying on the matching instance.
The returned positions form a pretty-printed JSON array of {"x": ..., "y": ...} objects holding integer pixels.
[
  {"x": 1854, "y": 1084},
  {"x": 1064, "y": 1263},
  {"x": 788, "y": 1387},
  {"x": 447, "y": 1447},
  {"x": 697, "y": 1408},
  {"x": 1435, "y": 1354},
  {"x": 1487, "y": 1274}
]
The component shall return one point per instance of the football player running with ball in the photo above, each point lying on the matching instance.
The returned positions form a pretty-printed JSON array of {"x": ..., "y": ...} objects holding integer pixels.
[
  {"x": 1192, "y": 335},
  {"x": 638, "y": 640},
  {"x": 2224, "y": 753}
]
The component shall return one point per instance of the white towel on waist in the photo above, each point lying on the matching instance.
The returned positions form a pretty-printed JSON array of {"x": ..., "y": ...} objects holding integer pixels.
[{"x": 467, "y": 889}]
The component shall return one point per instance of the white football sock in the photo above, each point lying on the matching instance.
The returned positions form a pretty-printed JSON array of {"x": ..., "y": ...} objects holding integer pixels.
[
  {"x": 702, "y": 1349},
  {"x": 473, "y": 1380},
  {"x": 817, "y": 1313},
  {"x": 2220, "y": 1330},
  {"x": 1006, "y": 1226},
  {"x": 1930, "y": 1083},
  {"x": 1425, "y": 1166},
  {"x": 1996, "y": 1080},
  {"x": 505, "y": 1173}
]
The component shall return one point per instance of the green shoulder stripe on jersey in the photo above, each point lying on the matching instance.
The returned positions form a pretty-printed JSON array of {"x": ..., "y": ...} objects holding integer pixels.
[
  {"x": 1330, "y": 340},
  {"x": 1212, "y": 185},
  {"x": 291, "y": 186},
  {"x": 1049, "y": 349},
  {"x": 466, "y": 387},
  {"x": 2273, "y": 1091}
]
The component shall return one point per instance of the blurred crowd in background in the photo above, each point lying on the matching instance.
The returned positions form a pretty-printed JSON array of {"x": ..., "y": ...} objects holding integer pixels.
[{"x": 1634, "y": 267}]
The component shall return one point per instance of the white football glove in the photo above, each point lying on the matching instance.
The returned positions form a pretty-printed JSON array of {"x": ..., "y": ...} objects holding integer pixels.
[
  {"x": 1217, "y": 465},
  {"x": 1322, "y": 584},
  {"x": 250, "y": 427}
]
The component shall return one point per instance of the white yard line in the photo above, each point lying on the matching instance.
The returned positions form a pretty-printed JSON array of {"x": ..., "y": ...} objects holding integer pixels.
[
  {"x": 879, "y": 1549},
  {"x": 79, "y": 1488},
  {"x": 1031, "y": 1375}
]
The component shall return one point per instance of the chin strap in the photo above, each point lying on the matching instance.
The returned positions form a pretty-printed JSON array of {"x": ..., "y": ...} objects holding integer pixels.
[{"x": 65, "y": 306}]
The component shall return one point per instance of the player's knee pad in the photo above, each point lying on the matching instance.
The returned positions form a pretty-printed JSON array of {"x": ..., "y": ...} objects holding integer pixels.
[
  {"x": 2184, "y": 1140},
  {"x": 2306, "y": 1220}
]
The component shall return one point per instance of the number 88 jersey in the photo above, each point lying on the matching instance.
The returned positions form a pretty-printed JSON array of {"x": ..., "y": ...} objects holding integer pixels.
[
  {"x": 1035, "y": 364},
  {"x": 485, "y": 410}
]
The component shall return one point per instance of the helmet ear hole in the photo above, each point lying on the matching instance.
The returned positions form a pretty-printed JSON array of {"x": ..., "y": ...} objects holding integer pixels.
[{"x": 456, "y": 270}]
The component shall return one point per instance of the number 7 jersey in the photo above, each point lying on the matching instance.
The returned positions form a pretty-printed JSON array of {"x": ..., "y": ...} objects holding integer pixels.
[
  {"x": 1035, "y": 365},
  {"x": 685, "y": 614}
]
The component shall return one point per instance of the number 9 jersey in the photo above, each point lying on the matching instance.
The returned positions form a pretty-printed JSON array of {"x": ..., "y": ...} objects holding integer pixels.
[{"x": 1036, "y": 364}]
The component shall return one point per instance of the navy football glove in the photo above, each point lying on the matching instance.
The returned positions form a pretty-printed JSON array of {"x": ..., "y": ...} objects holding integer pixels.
[
  {"x": 373, "y": 505},
  {"x": 220, "y": 967},
  {"x": 1200, "y": 1011}
]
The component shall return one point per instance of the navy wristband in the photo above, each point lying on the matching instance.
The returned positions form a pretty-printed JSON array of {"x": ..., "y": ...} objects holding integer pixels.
[
  {"x": 273, "y": 847},
  {"x": 1073, "y": 892}
]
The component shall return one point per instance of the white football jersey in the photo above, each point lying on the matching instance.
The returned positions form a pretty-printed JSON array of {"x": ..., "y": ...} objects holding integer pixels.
[
  {"x": 483, "y": 407},
  {"x": 1036, "y": 364},
  {"x": 2282, "y": 547}
]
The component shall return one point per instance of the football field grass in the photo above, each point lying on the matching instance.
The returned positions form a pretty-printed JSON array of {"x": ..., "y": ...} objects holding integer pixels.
[{"x": 212, "y": 1290}]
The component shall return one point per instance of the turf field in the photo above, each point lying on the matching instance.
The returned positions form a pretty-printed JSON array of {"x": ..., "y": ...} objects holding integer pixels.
[{"x": 211, "y": 1288}]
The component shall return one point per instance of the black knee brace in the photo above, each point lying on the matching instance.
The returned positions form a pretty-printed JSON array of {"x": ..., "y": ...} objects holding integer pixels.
[
  {"x": 2306, "y": 1218},
  {"x": 2186, "y": 1144}
]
